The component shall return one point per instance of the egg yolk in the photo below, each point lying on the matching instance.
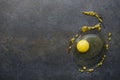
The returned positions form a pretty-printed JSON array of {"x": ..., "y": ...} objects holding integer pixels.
[{"x": 83, "y": 46}]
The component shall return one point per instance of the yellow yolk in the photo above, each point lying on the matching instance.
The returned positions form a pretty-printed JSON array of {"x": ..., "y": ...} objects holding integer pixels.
[{"x": 83, "y": 46}]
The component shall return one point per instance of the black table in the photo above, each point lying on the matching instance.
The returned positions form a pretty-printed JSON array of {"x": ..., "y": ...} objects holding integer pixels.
[{"x": 34, "y": 36}]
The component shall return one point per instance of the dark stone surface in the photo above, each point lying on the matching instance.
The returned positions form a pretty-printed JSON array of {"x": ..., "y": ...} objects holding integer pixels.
[{"x": 34, "y": 36}]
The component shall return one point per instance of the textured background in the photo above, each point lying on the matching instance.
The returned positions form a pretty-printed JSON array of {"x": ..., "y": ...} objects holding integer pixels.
[{"x": 34, "y": 36}]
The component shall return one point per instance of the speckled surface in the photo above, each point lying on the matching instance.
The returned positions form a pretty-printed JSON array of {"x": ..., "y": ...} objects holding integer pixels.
[{"x": 34, "y": 36}]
